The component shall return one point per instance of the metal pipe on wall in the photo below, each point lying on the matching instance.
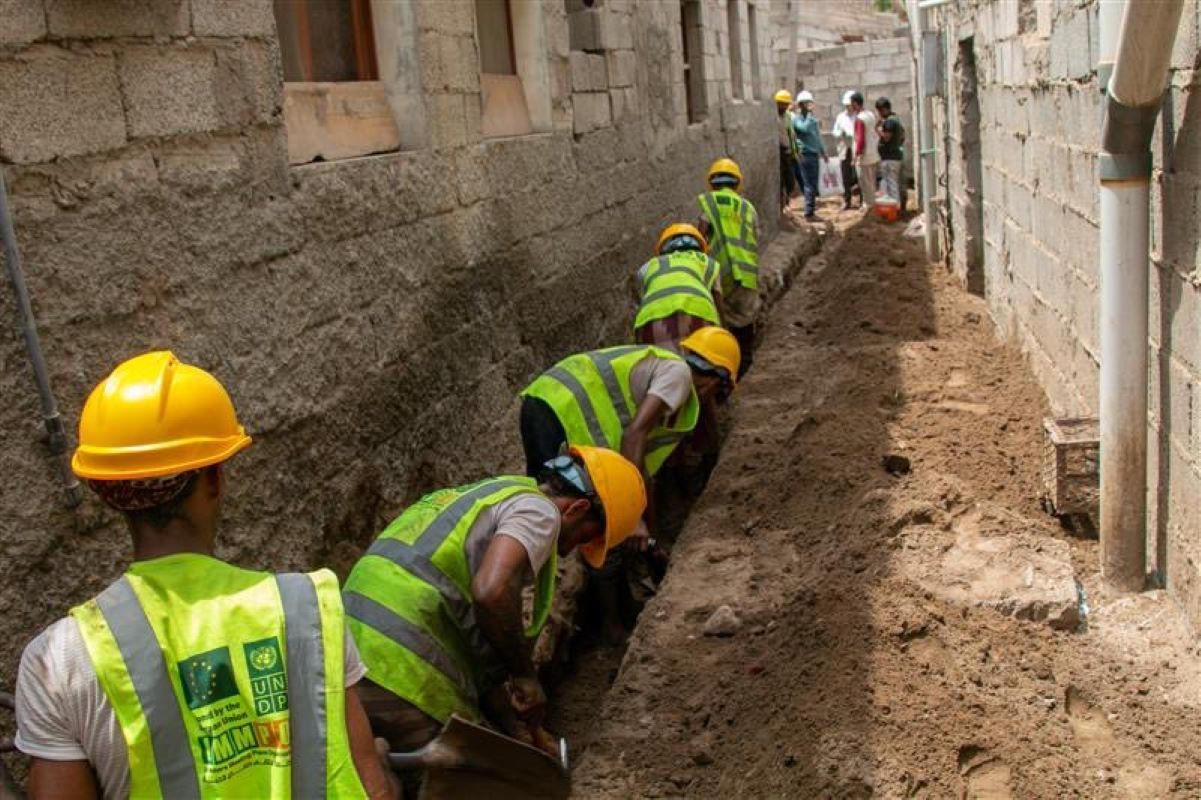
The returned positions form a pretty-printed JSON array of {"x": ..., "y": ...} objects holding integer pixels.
[
  {"x": 918, "y": 21},
  {"x": 1136, "y": 88},
  {"x": 56, "y": 436}
]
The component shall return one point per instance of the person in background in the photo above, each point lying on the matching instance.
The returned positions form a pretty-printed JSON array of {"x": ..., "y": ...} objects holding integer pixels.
[
  {"x": 786, "y": 142},
  {"x": 811, "y": 147},
  {"x": 892, "y": 153},
  {"x": 844, "y": 133},
  {"x": 867, "y": 150}
]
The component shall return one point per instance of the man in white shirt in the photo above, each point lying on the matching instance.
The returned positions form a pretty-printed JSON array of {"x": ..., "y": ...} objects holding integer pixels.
[
  {"x": 867, "y": 150},
  {"x": 844, "y": 134}
]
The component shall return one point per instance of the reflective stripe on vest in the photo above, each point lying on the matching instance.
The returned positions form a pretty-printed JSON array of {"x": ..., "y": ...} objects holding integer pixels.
[
  {"x": 258, "y": 708},
  {"x": 597, "y": 393},
  {"x": 734, "y": 243},
  {"x": 678, "y": 283},
  {"x": 410, "y": 605}
]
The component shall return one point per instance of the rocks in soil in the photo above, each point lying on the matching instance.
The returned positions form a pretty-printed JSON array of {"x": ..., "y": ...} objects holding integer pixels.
[
  {"x": 896, "y": 464},
  {"x": 722, "y": 623}
]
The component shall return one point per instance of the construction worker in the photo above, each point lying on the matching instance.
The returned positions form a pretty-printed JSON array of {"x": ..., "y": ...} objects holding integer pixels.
[
  {"x": 189, "y": 677},
  {"x": 787, "y": 146},
  {"x": 640, "y": 399},
  {"x": 731, "y": 224},
  {"x": 436, "y": 602},
  {"x": 676, "y": 289}
]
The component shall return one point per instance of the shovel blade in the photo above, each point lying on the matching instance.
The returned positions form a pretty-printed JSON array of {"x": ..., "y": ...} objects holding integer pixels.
[{"x": 494, "y": 766}]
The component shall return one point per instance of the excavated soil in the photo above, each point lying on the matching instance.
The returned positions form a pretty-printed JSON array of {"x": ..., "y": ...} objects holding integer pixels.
[{"x": 920, "y": 633}]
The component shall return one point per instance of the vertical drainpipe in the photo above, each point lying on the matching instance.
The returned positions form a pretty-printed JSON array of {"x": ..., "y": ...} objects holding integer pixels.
[
  {"x": 918, "y": 21},
  {"x": 1141, "y": 57},
  {"x": 56, "y": 436}
]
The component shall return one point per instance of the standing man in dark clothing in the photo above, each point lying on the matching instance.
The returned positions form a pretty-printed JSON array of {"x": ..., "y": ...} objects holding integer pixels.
[{"x": 892, "y": 152}]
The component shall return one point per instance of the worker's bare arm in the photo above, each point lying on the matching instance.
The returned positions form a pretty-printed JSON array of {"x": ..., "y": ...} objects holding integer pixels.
[
  {"x": 496, "y": 590},
  {"x": 633, "y": 439},
  {"x": 62, "y": 780},
  {"x": 379, "y": 781}
]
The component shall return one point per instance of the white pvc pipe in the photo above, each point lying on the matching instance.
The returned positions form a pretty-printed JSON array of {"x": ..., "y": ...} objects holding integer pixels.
[
  {"x": 923, "y": 109},
  {"x": 1140, "y": 70},
  {"x": 1124, "y": 244}
]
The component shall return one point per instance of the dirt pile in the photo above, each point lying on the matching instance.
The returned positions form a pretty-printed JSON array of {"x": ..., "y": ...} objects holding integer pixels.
[{"x": 899, "y": 627}]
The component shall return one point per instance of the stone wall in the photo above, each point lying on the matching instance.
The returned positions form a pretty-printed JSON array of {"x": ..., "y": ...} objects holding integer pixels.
[
  {"x": 374, "y": 317},
  {"x": 879, "y": 68},
  {"x": 1039, "y": 131},
  {"x": 828, "y": 23}
]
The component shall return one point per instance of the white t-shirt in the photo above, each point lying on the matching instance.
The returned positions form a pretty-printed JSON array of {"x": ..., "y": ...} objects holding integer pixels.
[
  {"x": 63, "y": 713},
  {"x": 844, "y": 131},
  {"x": 531, "y": 519},
  {"x": 666, "y": 378}
]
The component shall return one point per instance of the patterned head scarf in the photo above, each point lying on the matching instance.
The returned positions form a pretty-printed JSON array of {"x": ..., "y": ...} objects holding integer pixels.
[{"x": 142, "y": 493}]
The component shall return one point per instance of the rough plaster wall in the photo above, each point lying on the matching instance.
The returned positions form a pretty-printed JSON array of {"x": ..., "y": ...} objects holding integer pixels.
[
  {"x": 373, "y": 318},
  {"x": 879, "y": 68},
  {"x": 1040, "y": 108}
]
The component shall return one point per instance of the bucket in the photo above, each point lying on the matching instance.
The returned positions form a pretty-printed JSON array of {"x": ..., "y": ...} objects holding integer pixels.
[{"x": 888, "y": 210}]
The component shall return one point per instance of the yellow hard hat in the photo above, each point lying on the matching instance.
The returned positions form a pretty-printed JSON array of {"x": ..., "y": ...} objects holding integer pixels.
[
  {"x": 622, "y": 495},
  {"x": 680, "y": 229},
  {"x": 718, "y": 347},
  {"x": 784, "y": 96},
  {"x": 725, "y": 166},
  {"x": 155, "y": 416}
]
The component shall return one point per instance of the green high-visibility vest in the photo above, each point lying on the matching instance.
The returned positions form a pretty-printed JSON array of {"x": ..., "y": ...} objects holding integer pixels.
[
  {"x": 678, "y": 283},
  {"x": 410, "y": 607},
  {"x": 732, "y": 237},
  {"x": 225, "y": 682},
  {"x": 590, "y": 394}
]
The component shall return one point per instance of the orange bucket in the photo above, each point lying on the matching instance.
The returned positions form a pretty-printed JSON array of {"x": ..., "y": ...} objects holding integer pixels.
[{"x": 888, "y": 211}]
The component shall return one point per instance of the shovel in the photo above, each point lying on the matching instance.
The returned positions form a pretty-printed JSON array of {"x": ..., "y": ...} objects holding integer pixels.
[{"x": 467, "y": 760}]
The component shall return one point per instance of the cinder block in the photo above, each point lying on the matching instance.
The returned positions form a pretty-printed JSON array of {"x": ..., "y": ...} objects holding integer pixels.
[
  {"x": 817, "y": 83},
  {"x": 876, "y": 78},
  {"x": 858, "y": 49},
  {"x": 590, "y": 110},
  {"x": 46, "y": 101},
  {"x": 72, "y": 19},
  {"x": 598, "y": 72},
  {"x": 24, "y": 21},
  {"x": 616, "y": 33},
  {"x": 233, "y": 18},
  {"x": 886, "y": 46},
  {"x": 623, "y": 67},
  {"x": 169, "y": 91},
  {"x": 584, "y": 29},
  {"x": 624, "y": 103},
  {"x": 577, "y": 62}
]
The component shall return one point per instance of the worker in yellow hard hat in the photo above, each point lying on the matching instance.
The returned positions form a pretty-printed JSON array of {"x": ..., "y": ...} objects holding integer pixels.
[
  {"x": 436, "y": 602},
  {"x": 676, "y": 289},
  {"x": 639, "y": 399},
  {"x": 787, "y": 145},
  {"x": 731, "y": 224},
  {"x": 188, "y": 676}
]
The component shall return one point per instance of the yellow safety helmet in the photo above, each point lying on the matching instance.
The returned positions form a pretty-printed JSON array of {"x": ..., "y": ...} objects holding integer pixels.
[
  {"x": 718, "y": 348},
  {"x": 728, "y": 168},
  {"x": 680, "y": 229},
  {"x": 622, "y": 495},
  {"x": 784, "y": 97},
  {"x": 155, "y": 416}
]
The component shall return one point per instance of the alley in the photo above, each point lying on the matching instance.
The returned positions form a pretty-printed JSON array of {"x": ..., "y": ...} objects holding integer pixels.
[{"x": 897, "y": 635}]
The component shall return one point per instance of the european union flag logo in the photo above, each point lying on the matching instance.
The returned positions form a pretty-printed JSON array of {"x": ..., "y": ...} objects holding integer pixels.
[{"x": 207, "y": 678}]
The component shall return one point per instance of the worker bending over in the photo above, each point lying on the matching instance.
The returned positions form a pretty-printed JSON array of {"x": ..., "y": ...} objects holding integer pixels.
[
  {"x": 189, "y": 677},
  {"x": 730, "y": 223},
  {"x": 436, "y": 602},
  {"x": 676, "y": 288}
]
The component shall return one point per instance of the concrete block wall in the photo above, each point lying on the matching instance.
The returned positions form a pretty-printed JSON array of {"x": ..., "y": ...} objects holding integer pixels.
[
  {"x": 373, "y": 318},
  {"x": 1040, "y": 109},
  {"x": 877, "y": 68}
]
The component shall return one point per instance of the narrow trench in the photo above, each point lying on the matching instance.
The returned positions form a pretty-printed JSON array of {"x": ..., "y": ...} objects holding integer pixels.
[{"x": 578, "y": 690}]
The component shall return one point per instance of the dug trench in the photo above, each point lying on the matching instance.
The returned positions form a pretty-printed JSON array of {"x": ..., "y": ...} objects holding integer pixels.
[{"x": 867, "y": 599}]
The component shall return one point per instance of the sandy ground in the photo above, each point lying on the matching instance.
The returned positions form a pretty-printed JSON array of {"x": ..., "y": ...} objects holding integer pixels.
[{"x": 929, "y": 633}]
